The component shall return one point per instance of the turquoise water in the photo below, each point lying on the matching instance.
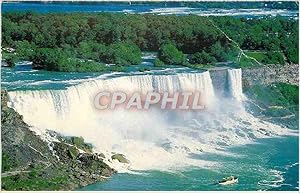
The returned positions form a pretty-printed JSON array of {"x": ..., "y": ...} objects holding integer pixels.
[
  {"x": 23, "y": 77},
  {"x": 269, "y": 164},
  {"x": 249, "y": 10}
]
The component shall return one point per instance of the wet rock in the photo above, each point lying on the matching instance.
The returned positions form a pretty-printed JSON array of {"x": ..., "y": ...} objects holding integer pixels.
[
  {"x": 23, "y": 150},
  {"x": 73, "y": 151},
  {"x": 120, "y": 157},
  {"x": 101, "y": 155},
  {"x": 79, "y": 143}
]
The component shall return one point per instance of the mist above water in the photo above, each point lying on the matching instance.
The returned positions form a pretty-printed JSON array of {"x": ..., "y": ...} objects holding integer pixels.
[{"x": 153, "y": 139}]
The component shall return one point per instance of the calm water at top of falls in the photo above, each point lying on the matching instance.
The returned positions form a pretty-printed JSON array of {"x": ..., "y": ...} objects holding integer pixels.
[{"x": 23, "y": 77}]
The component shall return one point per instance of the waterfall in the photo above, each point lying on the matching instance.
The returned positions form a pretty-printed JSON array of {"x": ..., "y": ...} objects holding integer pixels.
[
  {"x": 235, "y": 83},
  {"x": 144, "y": 136},
  {"x": 71, "y": 111},
  {"x": 76, "y": 102}
]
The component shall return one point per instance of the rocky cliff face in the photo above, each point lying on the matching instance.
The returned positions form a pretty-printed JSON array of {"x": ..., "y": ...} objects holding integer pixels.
[
  {"x": 264, "y": 75},
  {"x": 30, "y": 163},
  {"x": 268, "y": 74},
  {"x": 219, "y": 80}
]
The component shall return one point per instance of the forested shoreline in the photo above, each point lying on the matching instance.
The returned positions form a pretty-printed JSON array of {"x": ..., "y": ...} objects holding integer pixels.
[{"x": 86, "y": 42}]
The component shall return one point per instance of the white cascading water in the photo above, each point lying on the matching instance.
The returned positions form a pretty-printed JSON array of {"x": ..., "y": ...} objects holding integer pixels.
[
  {"x": 235, "y": 83},
  {"x": 152, "y": 139}
]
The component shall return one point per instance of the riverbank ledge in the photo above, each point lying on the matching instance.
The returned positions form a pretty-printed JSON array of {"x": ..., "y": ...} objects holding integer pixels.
[{"x": 30, "y": 163}]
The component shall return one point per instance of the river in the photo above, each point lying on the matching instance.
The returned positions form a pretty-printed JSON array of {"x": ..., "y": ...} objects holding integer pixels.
[{"x": 167, "y": 150}]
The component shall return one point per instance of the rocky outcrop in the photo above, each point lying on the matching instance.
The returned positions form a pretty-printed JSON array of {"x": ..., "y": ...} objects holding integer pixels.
[
  {"x": 29, "y": 163},
  {"x": 14, "y": 134},
  {"x": 120, "y": 157},
  {"x": 264, "y": 75},
  {"x": 270, "y": 74}
]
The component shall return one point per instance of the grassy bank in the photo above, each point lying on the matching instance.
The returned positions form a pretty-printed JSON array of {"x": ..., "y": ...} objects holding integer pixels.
[{"x": 278, "y": 101}]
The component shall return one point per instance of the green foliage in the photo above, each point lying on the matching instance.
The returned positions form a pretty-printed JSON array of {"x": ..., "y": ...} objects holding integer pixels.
[
  {"x": 277, "y": 100},
  {"x": 91, "y": 50},
  {"x": 247, "y": 62},
  {"x": 121, "y": 158},
  {"x": 292, "y": 55},
  {"x": 25, "y": 49},
  {"x": 10, "y": 58},
  {"x": 73, "y": 151},
  {"x": 218, "y": 52},
  {"x": 34, "y": 181},
  {"x": 232, "y": 52},
  {"x": 118, "y": 68},
  {"x": 289, "y": 92},
  {"x": 124, "y": 53},
  {"x": 269, "y": 57},
  {"x": 265, "y": 34},
  {"x": 47, "y": 58},
  {"x": 274, "y": 58},
  {"x": 58, "y": 60},
  {"x": 202, "y": 58},
  {"x": 158, "y": 63},
  {"x": 119, "y": 39},
  {"x": 259, "y": 56},
  {"x": 79, "y": 143},
  {"x": 169, "y": 54},
  {"x": 7, "y": 162},
  {"x": 143, "y": 69},
  {"x": 276, "y": 94}
]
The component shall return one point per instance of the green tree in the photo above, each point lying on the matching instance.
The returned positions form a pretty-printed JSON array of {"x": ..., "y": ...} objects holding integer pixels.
[
  {"x": 202, "y": 58},
  {"x": 124, "y": 53},
  {"x": 92, "y": 50},
  {"x": 169, "y": 54},
  {"x": 104, "y": 37},
  {"x": 47, "y": 58},
  {"x": 158, "y": 63},
  {"x": 25, "y": 50},
  {"x": 218, "y": 52},
  {"x": 274, "y": 58}
]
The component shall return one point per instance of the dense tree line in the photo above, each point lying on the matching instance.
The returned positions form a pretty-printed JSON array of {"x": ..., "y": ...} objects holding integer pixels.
[
  {"x": 272, "y": 34},
  {"x": 68, "y": 42}
]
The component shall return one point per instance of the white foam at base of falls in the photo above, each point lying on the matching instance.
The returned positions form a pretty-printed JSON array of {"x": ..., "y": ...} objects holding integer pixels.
[{"x": 152, "y": 139}]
